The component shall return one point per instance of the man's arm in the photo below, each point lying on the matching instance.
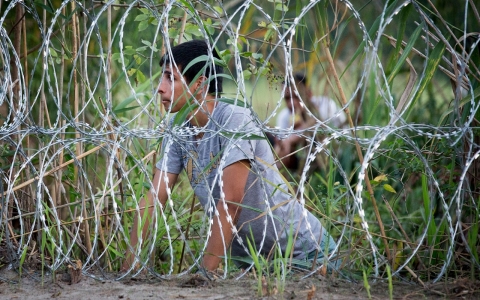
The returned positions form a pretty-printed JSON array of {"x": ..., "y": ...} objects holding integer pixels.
[
  {"x": 284, "y": 148},
  {"x": 162, "y": 196},
  {"x": 234, "y": 181}
]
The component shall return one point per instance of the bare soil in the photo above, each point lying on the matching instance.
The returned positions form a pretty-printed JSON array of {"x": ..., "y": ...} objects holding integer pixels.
[{"x": 30, "y": 286}]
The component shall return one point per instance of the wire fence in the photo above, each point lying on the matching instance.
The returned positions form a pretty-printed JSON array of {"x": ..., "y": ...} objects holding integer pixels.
[{"x": 81, "y": 127}]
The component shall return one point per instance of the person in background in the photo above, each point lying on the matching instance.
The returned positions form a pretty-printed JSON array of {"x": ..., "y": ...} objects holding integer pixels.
[{"x": 298, "y": 98}]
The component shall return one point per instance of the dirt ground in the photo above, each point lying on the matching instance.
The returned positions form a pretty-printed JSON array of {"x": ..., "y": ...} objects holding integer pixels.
[{"x": 194, "y": 287}]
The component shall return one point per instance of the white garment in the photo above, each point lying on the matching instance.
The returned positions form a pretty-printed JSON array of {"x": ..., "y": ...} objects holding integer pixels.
[{"x": 327, "y": 110}]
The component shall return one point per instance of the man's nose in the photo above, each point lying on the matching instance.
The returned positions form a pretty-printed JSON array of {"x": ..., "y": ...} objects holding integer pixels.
[{"x": 161, "y": 87}]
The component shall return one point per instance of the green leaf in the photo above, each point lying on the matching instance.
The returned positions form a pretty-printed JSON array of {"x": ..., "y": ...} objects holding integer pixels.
[
  {"x": 69, "y": 17},
  {"x": 141, "y": 150},
  {"x": 131, "y": 71},
  {"x": 138, "y": 59},
  {"x": 146, "y": 84},
  {"x": 206, "y": 59},
  {"x": 268, "y": 35},
  {"x": 141, "y": 77},
  {"x": 218, "y": 9},
  {"x": 122, "y": 105},
  {"x": 263, "y": 71},
  {"x": 257, "y": 55},
  {"x": 405, "y": 53},
  {"x": 115, "y": 56},
  {"x": 232, "y": 101},
  {"x": 182, "y": 114},
  {"x": 193, "y": 30},
  {"x": 281, "y": 7},
  {"x": 429, "y": 210},
  {"x": 142, "y": 25},
  {"x": 262, "y": 24},
  {"x": 432, "y": 64},
  {"x": 187, "y": 36},
  {"x": 463, "y": 102},
  {"x": 53, "y": 53},
  {"x": 389, "y": 188},
  {"x": 141, "y": 17},
  {"x": 246, "y": 54},
  {"x": 22, "y": 257},
  {"x": 400, "y": 34},
  {"x": 289, "y": 247},
  {"x": 47, "y": 8},
  {"x": 188, "y": 5},
  {"x": 341, "y": 29},
  {"x": 114, "y": 251},
  {"x": 148, "y": 44},
  {"x": 380, "y": 178},
  {"x": 129, "y": 50},
  {"x": 472, "y": 237},
  {"x": 173, "y": 31},
  {"x": 209, "y": 27},
  {"x": 226, "y": 56},
  {"x": 243, "y": 40}
]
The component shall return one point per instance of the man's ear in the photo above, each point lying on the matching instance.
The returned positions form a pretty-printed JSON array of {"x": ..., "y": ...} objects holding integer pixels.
[{"x": 201, "y": 85}]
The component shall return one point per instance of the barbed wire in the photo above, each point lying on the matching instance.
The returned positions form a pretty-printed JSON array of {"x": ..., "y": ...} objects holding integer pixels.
[{"x": 70, "y": 188}]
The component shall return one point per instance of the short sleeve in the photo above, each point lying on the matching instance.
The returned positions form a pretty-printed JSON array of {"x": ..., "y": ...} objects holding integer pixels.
[
  {"x": 327, "y": 109},
  {"x": 170, "y": 157},
  {"x": 283, "y": 119},
  {"x": 236, "y": 144}
]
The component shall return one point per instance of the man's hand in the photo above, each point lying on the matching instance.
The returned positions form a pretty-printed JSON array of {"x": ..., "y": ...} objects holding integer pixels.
[
  {"x": 128, "y": 262},
  {"x": 146, "y": 205},
  {"x": 284, "y": 150}
]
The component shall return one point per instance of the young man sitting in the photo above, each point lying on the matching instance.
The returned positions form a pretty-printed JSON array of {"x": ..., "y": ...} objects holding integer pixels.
[{"x": 233, "y": 175}]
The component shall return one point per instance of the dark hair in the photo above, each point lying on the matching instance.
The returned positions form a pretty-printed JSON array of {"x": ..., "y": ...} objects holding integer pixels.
[
  {"x": 299, "y": 78},
  {"x": 184, "y": 53}
]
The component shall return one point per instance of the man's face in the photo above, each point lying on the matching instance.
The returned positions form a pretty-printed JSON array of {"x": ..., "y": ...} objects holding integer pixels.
[
  {"x": 173, "y": 90},
  {"x": 292, "y": 100}
]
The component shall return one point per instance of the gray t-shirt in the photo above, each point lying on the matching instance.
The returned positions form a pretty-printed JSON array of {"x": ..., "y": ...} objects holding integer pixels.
[{"x": 268, "y": 212}]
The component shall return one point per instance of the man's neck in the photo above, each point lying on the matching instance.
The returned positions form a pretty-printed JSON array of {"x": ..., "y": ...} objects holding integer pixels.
[{"x": 201, "y": 115}]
